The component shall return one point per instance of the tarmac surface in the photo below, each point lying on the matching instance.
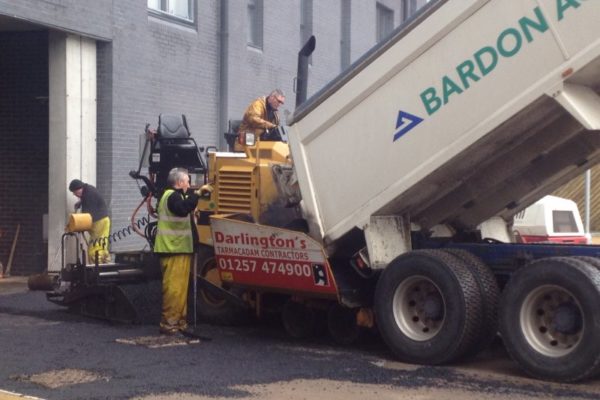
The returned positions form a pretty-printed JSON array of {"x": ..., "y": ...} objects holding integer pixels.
[{"x": 47, "y": 353}]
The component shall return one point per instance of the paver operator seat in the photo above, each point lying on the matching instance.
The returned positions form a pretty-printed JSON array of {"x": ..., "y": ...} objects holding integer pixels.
[{"x": 173, "y": 147}]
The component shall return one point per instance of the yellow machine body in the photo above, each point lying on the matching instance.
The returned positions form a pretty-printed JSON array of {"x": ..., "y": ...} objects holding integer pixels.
[{"x": 240, "y": 183}]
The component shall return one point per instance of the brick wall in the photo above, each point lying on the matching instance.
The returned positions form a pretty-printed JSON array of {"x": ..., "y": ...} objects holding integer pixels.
[
  {"x": 152, "y": 66},
  {"x": 23, "y": 148},
  {"x": 88, "y": 17},
  {"x": 147, "y": 66}
]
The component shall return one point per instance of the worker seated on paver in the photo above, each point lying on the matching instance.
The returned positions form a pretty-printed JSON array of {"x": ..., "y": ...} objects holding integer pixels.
[{"x": 261, "y": 118}]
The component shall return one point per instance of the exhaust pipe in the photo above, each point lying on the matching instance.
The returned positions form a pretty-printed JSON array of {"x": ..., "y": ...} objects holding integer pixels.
[{"x": 302, "y": 74}]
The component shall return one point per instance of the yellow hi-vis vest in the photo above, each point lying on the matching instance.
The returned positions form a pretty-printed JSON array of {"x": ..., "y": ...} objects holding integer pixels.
[{"x": 174, "y": 233}]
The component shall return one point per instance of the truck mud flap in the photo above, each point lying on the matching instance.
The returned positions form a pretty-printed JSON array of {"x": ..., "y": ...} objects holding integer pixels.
[{"x": 354, "y": 290}]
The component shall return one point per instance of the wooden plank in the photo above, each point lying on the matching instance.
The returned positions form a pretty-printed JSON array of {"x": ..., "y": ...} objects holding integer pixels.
[
  {"x": 1, "y": 265},
  {"x": 12, "y": 251}
]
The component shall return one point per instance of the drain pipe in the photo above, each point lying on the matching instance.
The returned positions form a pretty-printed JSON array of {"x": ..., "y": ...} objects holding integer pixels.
[{"x": 223, "y": 73}]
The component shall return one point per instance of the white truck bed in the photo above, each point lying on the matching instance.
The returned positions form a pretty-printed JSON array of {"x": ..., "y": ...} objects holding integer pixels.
[{"x": 494, "y": 136}]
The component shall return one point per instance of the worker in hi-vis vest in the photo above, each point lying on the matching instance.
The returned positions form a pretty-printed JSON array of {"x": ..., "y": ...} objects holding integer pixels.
[{"x": 175, "y": 245}]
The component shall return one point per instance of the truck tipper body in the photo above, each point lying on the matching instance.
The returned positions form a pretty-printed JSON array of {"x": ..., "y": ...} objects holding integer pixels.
[
  {"x": 369, "y": 215},
  {"x": 476, "y": 110}
]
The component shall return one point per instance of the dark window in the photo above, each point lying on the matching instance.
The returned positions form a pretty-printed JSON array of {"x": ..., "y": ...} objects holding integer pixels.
[
  {"x": 385, "y": 21},
  {"x": 563, "y": 221},
  {"x": 409, "y": 7},
  {"x": 345, "y": 34},
  {"x": 255, "y": 23}
]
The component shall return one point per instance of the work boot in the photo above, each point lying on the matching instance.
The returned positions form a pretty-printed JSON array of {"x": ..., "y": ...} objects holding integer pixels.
[
  {"x": 176, "y": 334},
  {"x": 168, "y": 331},
  {"x": 192, "y": 333}
]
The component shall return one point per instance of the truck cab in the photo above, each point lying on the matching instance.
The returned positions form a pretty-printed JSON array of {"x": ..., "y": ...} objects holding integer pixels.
[{"x": 550, "y": 219}]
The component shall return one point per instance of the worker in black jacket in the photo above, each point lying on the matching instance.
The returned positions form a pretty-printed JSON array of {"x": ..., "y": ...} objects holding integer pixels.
[{"x": 92, "y": 202}]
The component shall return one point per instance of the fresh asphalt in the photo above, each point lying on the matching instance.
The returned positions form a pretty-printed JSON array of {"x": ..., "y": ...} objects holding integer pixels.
[{"x": 38, "y": 337}]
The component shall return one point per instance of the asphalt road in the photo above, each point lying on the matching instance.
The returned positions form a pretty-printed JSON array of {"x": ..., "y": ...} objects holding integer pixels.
[{"x": 48, "y": 353}]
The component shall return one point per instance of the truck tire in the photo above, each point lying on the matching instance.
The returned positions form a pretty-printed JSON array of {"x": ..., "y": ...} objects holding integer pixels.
[
  {"x": 428, "y": 307},
  {"x": 489, "y": 294},
  {"x": 299, "y": 320},
  {"x": 210, "y": 307},
  {"x": 550, "y": 321},
  {"x": 593, "y": 261}
]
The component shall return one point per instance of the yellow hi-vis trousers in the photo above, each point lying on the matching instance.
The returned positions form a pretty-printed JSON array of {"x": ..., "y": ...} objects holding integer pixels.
[
  {"x": 175, "y": 279},
  {"x": 99, "y": 241}
]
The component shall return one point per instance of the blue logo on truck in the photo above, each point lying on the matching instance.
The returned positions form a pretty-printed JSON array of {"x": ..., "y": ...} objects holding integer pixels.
[{"x": 405, "y": 123}]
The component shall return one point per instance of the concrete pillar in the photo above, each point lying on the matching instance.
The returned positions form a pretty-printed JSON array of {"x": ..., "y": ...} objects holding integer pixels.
[{"x": 72, "y": 128}]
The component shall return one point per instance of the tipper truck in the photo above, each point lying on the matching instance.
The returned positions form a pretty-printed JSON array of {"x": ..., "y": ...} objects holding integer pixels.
[{"x": 372, "y": 207}]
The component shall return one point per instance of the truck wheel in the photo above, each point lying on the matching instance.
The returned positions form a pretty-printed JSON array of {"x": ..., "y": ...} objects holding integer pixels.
[
  {"x": 549, "y": 319},
  {"x": 593, "y": 261},
  {"x": 299, "y": 320},
  {"x": 427, "y": 307},
  {"x": 341, "y": 324},
  {"x": 490, "y": 295},
  {"x": 210, "y": 307}
]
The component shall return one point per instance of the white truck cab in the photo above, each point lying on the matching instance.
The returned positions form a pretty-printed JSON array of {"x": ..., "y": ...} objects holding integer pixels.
[{"x": 550, "y": 219}]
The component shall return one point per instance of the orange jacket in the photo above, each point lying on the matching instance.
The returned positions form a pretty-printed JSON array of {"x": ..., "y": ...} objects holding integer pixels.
[{"x": 255, "y": 118}]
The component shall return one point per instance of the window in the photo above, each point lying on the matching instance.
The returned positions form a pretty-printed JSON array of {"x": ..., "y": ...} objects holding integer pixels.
[
  {"x": 385, "y": 21},
  {"x": 409, "y": 7},
  {"x": 180, "y": 9},
  {"x": 255, "y": 23},
  {"x": 306, "y": 22},
  {"x": 563, "y": 221},
  {"x": 345, "y": 44}
]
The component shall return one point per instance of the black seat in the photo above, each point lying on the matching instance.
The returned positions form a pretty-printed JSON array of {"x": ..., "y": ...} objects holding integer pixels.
[
  {"x": 172, "y": 127},
  {"x": 232, "y": 134},
  {"x": 174, "y": 147}
]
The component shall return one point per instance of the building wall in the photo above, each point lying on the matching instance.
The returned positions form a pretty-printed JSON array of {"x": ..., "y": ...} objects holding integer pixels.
[
  {"x": 154, "y": 66},
  {"x": 23, "y": 148},
  {"x": 164, "y": 67},
  {"x": 88, "y": 17},
  {"x": 147, "y": 66},
  {"x": 151, "y": 66}
]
